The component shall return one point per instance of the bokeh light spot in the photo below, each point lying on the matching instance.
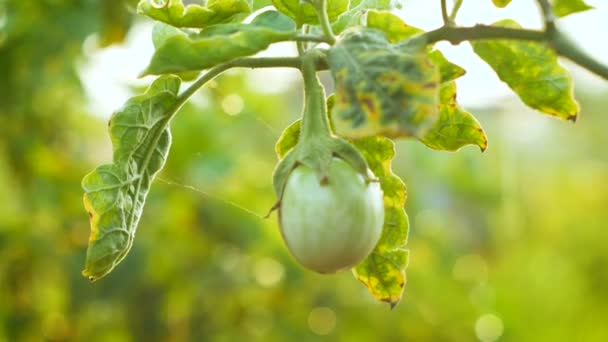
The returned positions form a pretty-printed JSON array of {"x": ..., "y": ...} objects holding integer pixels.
[
  {"x": 268, "y": 272},
  {"x": 233, "y": 104},
  {"x": 322, "y": 320},
  {"x": 488, "y": 328},
  {"x": 471, "y": 267}
]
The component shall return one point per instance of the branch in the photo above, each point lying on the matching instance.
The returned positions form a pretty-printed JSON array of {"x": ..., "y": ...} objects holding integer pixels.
[
  {"x": 548, "y": 16},
  {"x": 455, "y": 9},
  {"x": 456, "y": 35},
  {"x": 270, "y": 62},
  {"x": 554, "y": 39},
  {"x": 302, "y": 37},
  {"x": 444, "y": 12},
  {"x": 321, "y": 8}
]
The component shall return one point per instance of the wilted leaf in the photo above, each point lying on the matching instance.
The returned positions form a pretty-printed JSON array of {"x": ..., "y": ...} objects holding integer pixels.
[
  {"x": 115, "y": 193},
  {"x": 383, "y": 271},
  {"x": 501, "y": 3},
  {"x": 381, "y": 88},
  {"x": 455, "y": 127},
  {"x": 562, "y": 8},
  {"x": 532, "y": 71},
  {"x": 175, "y": 13},
  {"x": 177, "y": 51},
  {"x": 305, "y": 13}
]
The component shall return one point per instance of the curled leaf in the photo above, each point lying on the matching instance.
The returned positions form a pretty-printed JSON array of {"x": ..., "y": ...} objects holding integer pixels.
[
  {"x": 177, "y": 51},
  {"x": 383, "y": 271},
  {"x": 455, "y": 127},
  {"x": 114, "y": 194},
  {"x": 175, "y": 13}
]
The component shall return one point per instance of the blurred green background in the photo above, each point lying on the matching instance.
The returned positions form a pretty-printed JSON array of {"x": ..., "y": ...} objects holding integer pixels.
[{"x": 507, "y": 245}]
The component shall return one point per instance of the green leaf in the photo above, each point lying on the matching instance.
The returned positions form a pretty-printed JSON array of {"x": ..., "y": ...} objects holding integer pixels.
[
  {"x": 396, "y": 31},
  {"x": 455, "y": 127},
  {"x": 257, "y": 4},
  {"x": 305, "y": 13},
  {"x": 115, "y": 193},
  {"x": 383, "y": 271},
  {"x": 288, "y": 139},
  {"x": 393, "y": 27},
  {"x": 562, "y": 8},
  {"x": 382, "y": 89},
  {"x": 501, "y": 3},
  {"x": 177, "y": 51},
  {"x": 356, "y": 11},
  {"x": 175, "y": 13},
  {"x": 532, "y": 71}
]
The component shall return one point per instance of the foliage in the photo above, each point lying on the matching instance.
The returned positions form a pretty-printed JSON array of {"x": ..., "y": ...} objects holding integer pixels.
[
  {"x": 499, "y": 235},
  {"x": 389, "y": 82}
]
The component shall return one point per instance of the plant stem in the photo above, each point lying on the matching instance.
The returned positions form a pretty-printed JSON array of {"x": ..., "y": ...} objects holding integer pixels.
[
  {"x": 554, "y": 39},
  {"x": 311, "y": 38},
  {"x": 321, "y": 8},
  {"x": 444, "y": 12},
  {"x": 456, "y": 35},
  {"x": 548, "y": 16},
  {"x": 270, "y": 62},
  {"x": 565, "y": 48},
  {"x": 314, "y": 118},
  {"x": 455, "y": 9}
]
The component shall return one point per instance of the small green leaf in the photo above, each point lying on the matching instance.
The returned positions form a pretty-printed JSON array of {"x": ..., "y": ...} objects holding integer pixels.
[
  {"x": 532, "y": 71},
  {"x": 501, "y": 3},
  {"x": 393, "y": 27},
  {"x": 288, "y": 139},
  {"x": 175, "y": 13},
  {"x": 115, "y": 193},
  {"x": 356, "y": 11},
  {"x": 305, "y": 13},
  {"x": 177, "y": 51},
  {"x": 383, "y": 271},
  {"x": 455, "y": 127},
  {"x": 562, "y": 8},
  {"x": 382, "y": 89}
]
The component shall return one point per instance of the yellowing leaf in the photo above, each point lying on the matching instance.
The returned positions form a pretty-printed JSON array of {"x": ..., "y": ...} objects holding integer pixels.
[
  {"x": 455, "y": 127},
  {"x": 115, "y": 193},
  {"x": 383, "y": 271},
  {"x": 393, "y": 27},
  {"x": 532, "y": 71},
  {"x": 382, "y": 89},
  {"x": 501, "y": 3},
  {"x": 177, "y": 51},
  {"x": 562, "y": 8},
  {"x": 175, "y": 13}
]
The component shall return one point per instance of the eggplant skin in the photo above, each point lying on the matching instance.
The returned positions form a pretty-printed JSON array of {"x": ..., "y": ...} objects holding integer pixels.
[{"x": 334, "y": 225}]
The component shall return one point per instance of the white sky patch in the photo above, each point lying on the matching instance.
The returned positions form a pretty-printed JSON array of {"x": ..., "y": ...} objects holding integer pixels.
[{"x": 108, "y": 73}]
